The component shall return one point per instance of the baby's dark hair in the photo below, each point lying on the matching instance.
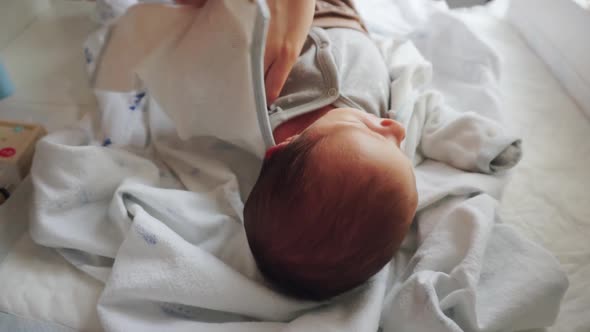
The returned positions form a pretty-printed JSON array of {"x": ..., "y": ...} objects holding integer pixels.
[{"x": 318, "y": 230}]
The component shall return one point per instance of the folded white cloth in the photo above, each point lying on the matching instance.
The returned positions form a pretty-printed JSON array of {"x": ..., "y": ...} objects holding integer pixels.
[
  {"x": 114, "y": 203},
  {"x": 163, "y": 49},
  {"x": 434, "y": 130}
]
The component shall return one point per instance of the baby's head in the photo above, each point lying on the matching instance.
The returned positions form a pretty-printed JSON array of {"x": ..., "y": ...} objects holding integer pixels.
[{"x": 332, "y": 205}]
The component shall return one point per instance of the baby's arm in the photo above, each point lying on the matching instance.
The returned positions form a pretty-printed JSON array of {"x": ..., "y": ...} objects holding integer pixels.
[{"x": 468, "y": 141}]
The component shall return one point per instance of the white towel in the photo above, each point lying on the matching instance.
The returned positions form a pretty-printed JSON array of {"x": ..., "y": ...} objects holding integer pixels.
[
  {"x": 162, "y": 49},
  {"x": 178, "y": 260}
]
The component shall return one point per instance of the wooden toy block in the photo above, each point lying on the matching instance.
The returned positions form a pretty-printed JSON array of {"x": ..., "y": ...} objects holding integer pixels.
[{"x": 17, "y": 146}]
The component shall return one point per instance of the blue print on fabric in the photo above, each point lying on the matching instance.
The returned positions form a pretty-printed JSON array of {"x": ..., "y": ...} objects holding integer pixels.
[
  {"x": 148, "y": 237},
  {"x": 137, "y": 101}
]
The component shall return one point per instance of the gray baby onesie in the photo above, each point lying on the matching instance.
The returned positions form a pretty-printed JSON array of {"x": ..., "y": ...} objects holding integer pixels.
[
  {"x": 343, "y": 67},
  {"x": 337, "y": 66}
]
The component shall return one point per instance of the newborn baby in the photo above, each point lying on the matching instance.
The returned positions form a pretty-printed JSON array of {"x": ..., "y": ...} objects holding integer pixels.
[
  {"x": 336, "y": 195},
  {"x": 332, "y": 204}
]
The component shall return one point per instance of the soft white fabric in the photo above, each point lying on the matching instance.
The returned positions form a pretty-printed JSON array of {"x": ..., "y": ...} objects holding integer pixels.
[
  {"x": 162, "y": 49},
  {"x": 32, "y": 276},
  {"x": 182, "y": 262},
  {"x": 547, "y": 118},
  {"x": 558, "y": 34},
  {"x": 541, "y": 198},
  {"x": 464, "y": 140}
]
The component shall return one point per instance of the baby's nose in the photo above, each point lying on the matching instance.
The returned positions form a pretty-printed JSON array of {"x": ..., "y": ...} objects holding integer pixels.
[{"x": 394, "y": 128}]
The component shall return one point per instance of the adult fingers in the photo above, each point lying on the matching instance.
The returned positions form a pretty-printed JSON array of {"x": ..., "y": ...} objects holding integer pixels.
[
  {"x": 269, "y": 56},
  {"x": 277, "y": 74}
]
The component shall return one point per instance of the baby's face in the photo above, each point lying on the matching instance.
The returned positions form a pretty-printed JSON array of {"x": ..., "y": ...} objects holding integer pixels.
[
  {"x": 378, "y": 132},
  {"x": 351, "y": 133}
]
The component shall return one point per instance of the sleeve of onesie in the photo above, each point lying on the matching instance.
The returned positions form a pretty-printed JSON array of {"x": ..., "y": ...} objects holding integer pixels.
[{"x": 468, "y": 141}]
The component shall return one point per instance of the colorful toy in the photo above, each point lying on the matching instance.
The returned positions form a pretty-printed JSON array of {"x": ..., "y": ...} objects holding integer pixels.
[
  {"x": 17, "y": 146},
  {"x": 6, "y": 87}
]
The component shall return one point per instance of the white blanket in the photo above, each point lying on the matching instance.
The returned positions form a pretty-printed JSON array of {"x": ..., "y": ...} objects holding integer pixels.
[{"x": 178, "y": 260}]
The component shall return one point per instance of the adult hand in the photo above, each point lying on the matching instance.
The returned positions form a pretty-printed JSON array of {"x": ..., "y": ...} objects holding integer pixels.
[{"x": 290, "y": 22}]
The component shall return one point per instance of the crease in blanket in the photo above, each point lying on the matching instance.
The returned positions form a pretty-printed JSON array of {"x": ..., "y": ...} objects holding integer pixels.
[{"x": 163, "y": 203}]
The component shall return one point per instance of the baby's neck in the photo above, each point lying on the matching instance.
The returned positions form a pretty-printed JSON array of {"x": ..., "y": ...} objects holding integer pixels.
[{"x": 297, "y": 125}]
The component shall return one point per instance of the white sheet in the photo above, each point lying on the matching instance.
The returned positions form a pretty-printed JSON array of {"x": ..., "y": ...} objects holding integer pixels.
[
  {"x": 558, "y": 34},
  {"x": 524, "y": 80},
  {"x": 181, "y": 257},
  {"x": 547, "y": 196}
]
